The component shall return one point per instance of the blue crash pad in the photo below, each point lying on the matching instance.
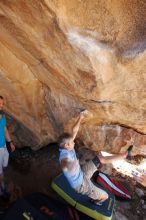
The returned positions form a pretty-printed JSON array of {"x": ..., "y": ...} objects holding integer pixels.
[{"x": 82, "y": 202}]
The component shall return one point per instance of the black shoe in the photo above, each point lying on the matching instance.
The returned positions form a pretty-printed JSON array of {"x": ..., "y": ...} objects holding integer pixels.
[{"x": 129, "y": 156}]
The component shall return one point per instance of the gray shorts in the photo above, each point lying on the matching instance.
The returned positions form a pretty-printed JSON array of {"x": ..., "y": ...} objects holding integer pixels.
[
  {"x": 4, "y": 157},
  {"x": 87, "y": 187}
]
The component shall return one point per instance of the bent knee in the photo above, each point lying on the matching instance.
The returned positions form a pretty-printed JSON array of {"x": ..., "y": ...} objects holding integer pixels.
[{"x": 104, "y": 196}]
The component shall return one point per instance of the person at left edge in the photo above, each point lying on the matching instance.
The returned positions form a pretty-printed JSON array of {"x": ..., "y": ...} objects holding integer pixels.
[{"x": 4, "y": 136}]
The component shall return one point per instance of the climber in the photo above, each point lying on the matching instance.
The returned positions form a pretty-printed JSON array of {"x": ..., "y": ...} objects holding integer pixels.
[{"x": 80, "y": 179}]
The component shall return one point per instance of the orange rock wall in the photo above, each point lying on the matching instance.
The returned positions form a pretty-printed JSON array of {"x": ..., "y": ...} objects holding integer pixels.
[{"x": 59, "y": 56}]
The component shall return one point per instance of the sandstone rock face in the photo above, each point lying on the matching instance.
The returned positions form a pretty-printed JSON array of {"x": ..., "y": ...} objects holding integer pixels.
[{"x": 60, "y": 56}]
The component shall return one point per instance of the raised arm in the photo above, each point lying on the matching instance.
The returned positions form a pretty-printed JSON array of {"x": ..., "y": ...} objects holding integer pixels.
[{"x": 76, "y": 126}]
